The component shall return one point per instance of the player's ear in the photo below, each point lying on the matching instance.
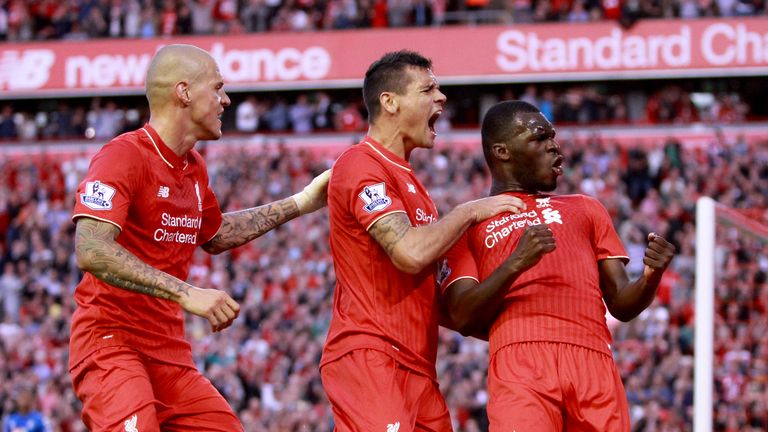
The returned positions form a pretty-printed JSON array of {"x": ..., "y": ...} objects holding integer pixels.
[
  {"x": 181, "y": 91},
  {"x": 388, "y": 102},
  {"x": 500, "y": 151}
]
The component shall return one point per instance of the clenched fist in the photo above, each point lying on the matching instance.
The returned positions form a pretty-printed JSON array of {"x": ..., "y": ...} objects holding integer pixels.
[
  {"x": 658, "y": 255},
  {"x": 536, "y": 241}
]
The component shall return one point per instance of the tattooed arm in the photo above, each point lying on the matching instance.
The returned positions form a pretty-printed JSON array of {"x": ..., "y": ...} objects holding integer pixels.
[
  {"x": 240, "y": 227},
  {"x": 98, "y": 253},
  {"x": 411, "y": 249}
]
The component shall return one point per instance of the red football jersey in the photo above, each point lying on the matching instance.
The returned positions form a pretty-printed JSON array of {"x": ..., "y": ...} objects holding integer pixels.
[
  {"x": 164, "y": 208},
  {"x": 375, "y": 305},
  {"x": 559, "y": 299}
]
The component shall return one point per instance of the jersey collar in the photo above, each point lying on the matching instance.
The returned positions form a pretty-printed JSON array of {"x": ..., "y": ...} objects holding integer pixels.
[
  {"x": 166, "y": 154},
  {"x": 386, "y": 154}
]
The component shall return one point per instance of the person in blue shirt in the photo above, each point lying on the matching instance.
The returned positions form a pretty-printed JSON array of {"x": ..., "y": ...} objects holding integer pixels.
[{"x": 25, "y": 417}]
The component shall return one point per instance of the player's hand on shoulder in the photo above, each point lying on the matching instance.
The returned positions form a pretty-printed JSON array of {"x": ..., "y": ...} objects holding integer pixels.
[
  {"x": 536, "y": 241},
  {"x": 212, "y": 304},
  {"x": 484, "y": 208},
  {"x": 315, "y": 194},
  {"x": 658, "y": 254}
]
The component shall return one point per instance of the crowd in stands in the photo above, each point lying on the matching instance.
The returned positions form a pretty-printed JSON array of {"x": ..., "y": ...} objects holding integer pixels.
[
  {"x": 266, "y": 363},
  {"x": 343, "y": 110},
  {"x": 22, "y": 20}
]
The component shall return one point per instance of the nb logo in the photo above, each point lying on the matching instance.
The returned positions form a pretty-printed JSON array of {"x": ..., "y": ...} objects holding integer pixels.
[
  {"x": 393, "y": 427},
  {"x": 130, "y": 424},
  {"x": 164, "y": 192}
]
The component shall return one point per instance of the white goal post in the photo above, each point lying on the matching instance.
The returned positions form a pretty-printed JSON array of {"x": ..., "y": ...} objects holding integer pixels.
[
  {"x": 704, "y": 315},
  {"x": 709, "y": 215}
]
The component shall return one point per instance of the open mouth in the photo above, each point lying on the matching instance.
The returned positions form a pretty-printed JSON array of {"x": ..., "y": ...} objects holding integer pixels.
[
  {"x": 432, "y": 121},
  {"x": 557, "y": 167}
]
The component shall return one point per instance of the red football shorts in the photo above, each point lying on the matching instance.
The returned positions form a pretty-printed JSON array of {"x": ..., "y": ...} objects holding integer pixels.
[
  {"x": 544, "y": 386},
  {"x": 122, "y": 390},
  {"x": 370, "y": 391}
]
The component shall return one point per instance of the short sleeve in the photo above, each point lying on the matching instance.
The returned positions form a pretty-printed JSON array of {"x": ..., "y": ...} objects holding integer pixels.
[
  {"x": 211, "y": 216},
  {"x": 366, "y": 187},
  {"x": 607, "y": 243},
  {"x": 106, "y": 191},
  {"x": 458, "y": 263}
]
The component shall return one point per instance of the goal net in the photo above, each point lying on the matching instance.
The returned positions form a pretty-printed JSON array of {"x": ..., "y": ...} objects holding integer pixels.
[{"x": 731, "y": 319}]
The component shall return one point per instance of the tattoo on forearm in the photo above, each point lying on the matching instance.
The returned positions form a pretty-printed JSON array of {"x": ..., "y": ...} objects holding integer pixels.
[
  {"x": 111, "y": 263},
  {"x": 389, "y": 230},
  {"x": 242, "y": 226},
  {"x": 113, "y": 279}
]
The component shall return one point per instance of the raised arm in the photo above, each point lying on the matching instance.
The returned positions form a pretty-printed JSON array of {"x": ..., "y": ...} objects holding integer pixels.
[
  {"x": 624, "y": 299},
  {"x": 240, "y": 227},
  {"x": 472, "y": 306},
  {"x": 411, "y": 248},
  {"x": 98, "y": 253}
]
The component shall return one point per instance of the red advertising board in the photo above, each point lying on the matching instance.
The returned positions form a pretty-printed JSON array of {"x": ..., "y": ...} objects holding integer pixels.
[{"x": 483, "y": 54}]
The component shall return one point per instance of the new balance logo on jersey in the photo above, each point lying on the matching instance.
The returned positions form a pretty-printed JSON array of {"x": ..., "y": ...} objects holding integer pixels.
[
  {"x": 393, "y": 427},
  {"x": 130, "y": 424},
  {"x": 164, "y": 192},
  {"x": 375, "y": 198},
  {"x": 411, "y": 188},
  {"x": 97, "y": 196}
]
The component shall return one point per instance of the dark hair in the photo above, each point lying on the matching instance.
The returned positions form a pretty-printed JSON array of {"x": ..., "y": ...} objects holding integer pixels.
[
  {"x": 498, "y": 123},
  {"x": 387, "y": 75}
]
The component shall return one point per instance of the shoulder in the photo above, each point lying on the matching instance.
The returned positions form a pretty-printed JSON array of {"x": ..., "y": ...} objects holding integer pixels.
[
  {"x": 580, "y": 200},
  {"x": 358, "y": 153},
  {"x": 589, "y": 208},
  {"x": 127, "y": 145},
  {"x": 357, "y": 160},
  {"x": 121, "y": 158}
]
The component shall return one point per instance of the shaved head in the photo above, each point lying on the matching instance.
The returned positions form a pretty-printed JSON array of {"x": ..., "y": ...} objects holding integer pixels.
[{"x": 171, "y": 65}]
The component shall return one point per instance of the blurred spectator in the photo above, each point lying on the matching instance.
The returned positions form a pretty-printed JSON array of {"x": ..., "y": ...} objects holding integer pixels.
[
  {"x": 25, "y": 417},
  {"x": 349, "y": 118},
  {"x": 277, "y": 117},
  {"x": 247, "y": 115},
  {"x": 148, "y": 23},
  {"x": 224, "y": 14},
  {"x": 301, "y": 115},
  {"x": 202, "y": 15},
  {"x": 106, "y": 121},
  {"x": 132, "y": 19},
  {"x": 7, "y": 123},
  {"x": 323, "y": 112},
  {"x": 10, "y": 292},
  {"x": 168, "y": 18},
  {"x": 255, "y": 16}
]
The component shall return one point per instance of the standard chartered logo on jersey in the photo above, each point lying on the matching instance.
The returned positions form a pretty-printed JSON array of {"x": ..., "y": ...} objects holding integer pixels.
[
  {"x": 501, "y": 228},
  {"x": 173, "y": 227}
]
